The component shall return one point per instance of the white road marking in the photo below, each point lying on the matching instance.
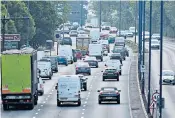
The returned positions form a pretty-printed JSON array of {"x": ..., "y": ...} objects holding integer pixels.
[
  {"x": 50, "y": 93},
  {"x": 36, "y": 113},
  {"x": 84, "y": 105},
  {"x": 48, "y": 96},
  {"x": 86, "y": 98},
  {"x": 83, "y": 109},
  {"x": 39, "y": 109},
  {"x": 41, "y": 105},
  {"x": 82, "y": 117},
  {"x": 82, "y": 113},
  {"x": 85, "y": 102},
  {"x": 46, "y": 99},
  {"x": 34, "y": 117},
  {"x": 52, "y": 89},
  {"x": 89, "y": 93},
  {"x": 44, "y": 102}
]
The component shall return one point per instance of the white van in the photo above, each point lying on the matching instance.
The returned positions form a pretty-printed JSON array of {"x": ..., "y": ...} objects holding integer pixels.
[
  {"x": 66, "y": 50},
  {"x": 40, "y": 54},
  {"x": 68, "y": 89},
  {"x": 96, "y": 50},
  {"x": 45, "y": 69},
  {"x": 94, "y": 35}
]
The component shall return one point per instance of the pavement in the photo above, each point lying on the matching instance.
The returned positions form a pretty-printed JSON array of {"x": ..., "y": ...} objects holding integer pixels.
[
  {"x": 168, "y": 63},
  {"x": 90, "y": 108}
]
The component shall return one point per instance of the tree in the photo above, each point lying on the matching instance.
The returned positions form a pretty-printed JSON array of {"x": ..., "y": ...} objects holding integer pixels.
[
  {"x": 24, "y": 27},
  {"x": 10, "y": 25}
]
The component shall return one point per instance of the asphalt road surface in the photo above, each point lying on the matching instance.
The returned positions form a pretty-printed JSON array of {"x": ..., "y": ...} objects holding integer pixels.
[{"x": 90, "y": 108}]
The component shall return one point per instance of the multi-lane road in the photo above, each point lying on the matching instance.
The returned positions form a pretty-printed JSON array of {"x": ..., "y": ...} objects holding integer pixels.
[
  {"x": 90, "y": 108},
  {"x": 168, "y": 64}
]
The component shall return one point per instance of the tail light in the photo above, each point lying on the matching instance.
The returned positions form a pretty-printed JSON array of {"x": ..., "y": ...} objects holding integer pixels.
[
  {"x": 101, "y": 92},
  {"x": 116, "y": 73},
  {"x": 105, "y": 73},
  {"x": 117, "y": 92},
  {"x": 76, "y": 68},
  {"x": 28, "y": 101}
]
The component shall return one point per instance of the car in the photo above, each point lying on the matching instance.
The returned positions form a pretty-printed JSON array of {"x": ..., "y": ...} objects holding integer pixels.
[
  {"x": 73, "y": 33},
  {"x": 121, "y": 51},
  {"x": 126, "y": 51},
  {"x": 155, "y": 44},
  {"x": 78, "y": 53},
  {"x": 106, "y": 28},
  {"x": 116, "y": 64},
  {"x": 121, "y": 33},
  {"x": 129, "y": 33},
  {"x": 105, "y": 52},
  {"x": 146, "y": 35},
  {"x": 110, "y": 73},
  {"x": 62, "y": 60},
  {"x": 66, "y": 40},
  {"x": 168, "y": 77},
  {"x": 54, "y": 62},
  {"x": 82, "y": 68},
  {"x": 105, "y": 44},
  {"x": 133, "y": 29},
  {"x": 83, "y": 80},
  {"x": 116, "y": 56},
  {"x": 65, "y": 30},
  {"x": 84, "y": 53},
  {"x": 40, "y": 86},
  {"x": 92, "y": 61},
  {"x": 109, "y": 94},
  {"x": 119, "y": 41},
  {"x": 156, "y": 36}
]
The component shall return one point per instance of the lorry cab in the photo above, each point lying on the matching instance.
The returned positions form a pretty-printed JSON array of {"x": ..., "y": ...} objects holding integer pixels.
[
  {"x": 45, "y": 67},
  {"x": 68, "y": 89}
]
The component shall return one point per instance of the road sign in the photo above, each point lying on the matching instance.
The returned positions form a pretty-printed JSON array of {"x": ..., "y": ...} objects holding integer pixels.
[
  {"x": 153, "y": 105},
  {"x": 57, "y": 35},
  {"x": 155, "y": 96},
  {"x": 143, "y": 68},
  {"x": 11, "y": 37}
]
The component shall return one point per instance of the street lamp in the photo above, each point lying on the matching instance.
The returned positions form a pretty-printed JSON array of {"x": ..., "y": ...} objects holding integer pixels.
[
  {"x": 149, "y": 72},
  {"x": 161, "y": 55},
  {"x": 135, "y": 20},
  {"x": 100, "y": 16},
  {"x": 120, "y": 21}
]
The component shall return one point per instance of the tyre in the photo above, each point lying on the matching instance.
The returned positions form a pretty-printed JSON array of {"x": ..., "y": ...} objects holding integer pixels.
[
  {"x": 31, "y": 106},
  {"x": 58, "y": 103},
  {"x": 97, "y": 66},
  {"x": 124, "y": 58},
  {"x": 79, "y": 103},
  {"x": 99, "y": 101},
  {"x": 50, "y": 77},
  {"x": 5, "y": 107},
  {"x": 90, "y": 73},
  {"x": 56, "y": 70},
  {"x": 120, "y": 73},
  {"x": 103, "y": 79},
  {"x": 72, "y": 62},
  {"x": 117, "y": 78},
  {"x": 85, "y": 87},
  {"x": 102, "y": 59},
  {"x": 42, "y": 93},
  {"x": 118, "y": 100}
]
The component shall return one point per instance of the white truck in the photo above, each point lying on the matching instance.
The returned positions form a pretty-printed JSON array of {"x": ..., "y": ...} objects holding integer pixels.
[
  {"x": 68, "y": 89},
  {"x": 96, "y": 50},
  {"x": 95, "y": 22},
  {"x": 94, "y": 35},
  {"x": 40, "y": 54},
  {"x": 66, "y": 50}
]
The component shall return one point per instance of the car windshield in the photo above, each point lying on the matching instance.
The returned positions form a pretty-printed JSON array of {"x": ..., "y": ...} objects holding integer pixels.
[
  {"x": 168, "y": 73},
  {"x": 73, "y": 31},
  {"x": 154, "y": 42},
  {"x": 61, "y": 57},
  {"x": 109, "y": 89},
  {"x": 156, "y": 34}
]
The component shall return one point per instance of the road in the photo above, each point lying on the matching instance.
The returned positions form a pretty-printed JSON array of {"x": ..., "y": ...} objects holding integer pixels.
[
  {"x": 168, "y": 63},
  {"x": 90, "y": 108}
]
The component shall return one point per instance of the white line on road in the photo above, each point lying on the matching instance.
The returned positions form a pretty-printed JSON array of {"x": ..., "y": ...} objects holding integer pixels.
[
  {"x": 84, "y": 105},
  {"x": 34, "y": 117},
  {"x": 44, "y": 102},
  {"x": 36, "y": 113},
  {"x": 50, "y": 93},
  {"x": 82, "y": 117},
  {"x": 52, "y": 89},
  {"x": 41, "y": 105},
  {"x": 86, "y": 98},
  {"x": 82, "y": 113},
  {"x": 89, "y": 93},
  {"x": 48, "y": 96},
  {"x": 83, "y": 109},
  {"x": 39, "y": 109},
  {"x": 85, "y": 102}
]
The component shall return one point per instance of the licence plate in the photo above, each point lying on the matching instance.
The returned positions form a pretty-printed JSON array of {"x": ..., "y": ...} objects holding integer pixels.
[{"x": 108, "y": 97}]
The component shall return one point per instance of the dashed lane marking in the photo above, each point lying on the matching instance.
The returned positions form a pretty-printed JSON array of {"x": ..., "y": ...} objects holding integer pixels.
[
  {"x": 34, "y": 117},
  {"x": 50, "y": 93},
  {"x": 84, "y": 105},
  {"x": 83, "y": 109},
  {"x": 39, "y": 109},
  {"x": 44, "y": 102},
  {"x": 86, "y": 98},
  {"x": 41, "y": 105},
  {"x": 82, "y": 113},
  {"x": 36, "y": 113},
  {"x": 82, "y": 117},
  {"x": 85, "y": 102}
]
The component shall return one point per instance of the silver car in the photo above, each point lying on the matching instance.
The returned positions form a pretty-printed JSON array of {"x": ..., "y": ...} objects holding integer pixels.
[{"x": 168, "y": 77}]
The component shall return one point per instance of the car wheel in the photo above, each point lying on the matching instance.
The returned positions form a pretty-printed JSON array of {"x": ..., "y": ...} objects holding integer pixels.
[
  {"x": 118, "y": 100},
  {"x": 85, "y": 88},
  {"x": 58, "y": 103},
  {"x": 79, "y": 103},
  {"x": 99, "y": 101},
  {"x": 97, "y": 66},
  {"x": 103, "y": 79},
  {"x": 173, "y": 83},
  {"x": 120, "y": 73},
  {"x": 66, "y": 64},
  {"x": 42, "y": 93},
  {"x": 117, "y": 78},
  {"x": 5, "y": 107},
  {"x": 71, "y": 62},
  {"x": 124, "y": 58},
  {"x": 56, "y": 70},
  {"x": 90, "y": 73},
  {"x": 31, "y": 106}
]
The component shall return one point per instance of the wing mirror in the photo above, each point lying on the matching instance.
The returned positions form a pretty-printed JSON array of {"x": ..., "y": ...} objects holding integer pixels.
[
  {"x": 98, "y": 90},
  {"x": 101, "y": 71},
  {"x": 119, "y": 90},
  {"x": 56, "y": 87}
]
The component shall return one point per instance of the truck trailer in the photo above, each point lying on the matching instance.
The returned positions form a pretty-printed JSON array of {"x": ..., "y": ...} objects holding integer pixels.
[{"x": 19, "y": 78}]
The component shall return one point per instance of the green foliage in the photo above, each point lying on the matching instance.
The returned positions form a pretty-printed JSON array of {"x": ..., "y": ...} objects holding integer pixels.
[{"x": 25, "y": 27}]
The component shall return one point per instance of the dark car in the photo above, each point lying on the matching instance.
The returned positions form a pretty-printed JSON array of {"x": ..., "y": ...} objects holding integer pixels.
[
  {"x": 62, "y": 60},
  {"x": 92, "y": 61},
  {"x": 66, "y": 41},
  {"x": 84, "y": 53},
  {"x": 82, "y": 68},
  {"x": 120, "y": 50},
  {"x": 111, "y": 73},
  {"x": 126, "y": 51},
  {"x": 119, "y": 41},
  {"x": 116, "y": 56},
  {"x": 83, "y": 80},
  {"x": 109, "y": 94},
  {"x": 54, "y": 62},
  {"x": 78, "y": 53}
]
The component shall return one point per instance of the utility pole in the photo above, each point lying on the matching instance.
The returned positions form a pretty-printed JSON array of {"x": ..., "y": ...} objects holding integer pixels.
[
  {"x": 100, "y": 16},
  {"x": 140, "y": 39},
  {"x": 149, "y": 72},
  {"x": 81, "y": 14},
  {"x": 143, "y": 59},
  {"x": 120, "y": 21},
  {"x": 161, "y": 56},
  {"x": 4, "y": 20},
  {"x": 135, "y": 21}
]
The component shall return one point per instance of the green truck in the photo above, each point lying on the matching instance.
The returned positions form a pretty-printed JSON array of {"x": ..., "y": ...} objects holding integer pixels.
[{"x": 19, "y": 78}]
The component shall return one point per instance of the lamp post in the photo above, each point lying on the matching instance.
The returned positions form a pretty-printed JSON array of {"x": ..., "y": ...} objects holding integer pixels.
[
  {"x": 161, "y": 55},
  {"x": 100, "y": 16},
  {"x": 135, "y": 21},
  {"x": 149, "y": 72},
  {"x": 120, "y": 20}
]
